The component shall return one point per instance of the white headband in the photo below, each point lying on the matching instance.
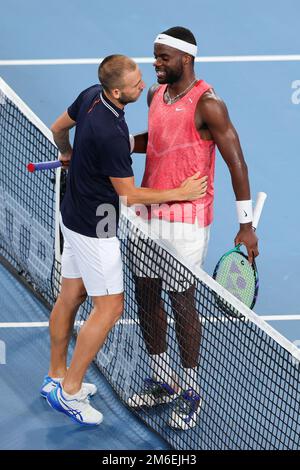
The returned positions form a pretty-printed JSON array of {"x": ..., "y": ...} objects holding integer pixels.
[{"x": 177, "y": 44}]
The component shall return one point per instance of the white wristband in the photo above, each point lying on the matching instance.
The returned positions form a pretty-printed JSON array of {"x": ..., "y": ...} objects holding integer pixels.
[
  {"x": 244, "y": 211},
  {"x": 131, "y": 140}
]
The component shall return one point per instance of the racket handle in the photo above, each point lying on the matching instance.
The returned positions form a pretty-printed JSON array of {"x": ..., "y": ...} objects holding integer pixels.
[
  {"x": 31, "y": 167},
  {"x": 260, "y": 200}
]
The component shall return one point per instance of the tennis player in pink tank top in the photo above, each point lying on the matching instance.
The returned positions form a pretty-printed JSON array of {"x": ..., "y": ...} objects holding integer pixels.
[{"x": 187, "y": 120}]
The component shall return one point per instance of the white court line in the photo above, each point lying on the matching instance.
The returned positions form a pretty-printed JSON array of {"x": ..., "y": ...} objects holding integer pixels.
[
  {"x": 150, "y": 60},
  {"x": 135, "y": 322},
  {"x": 24, "y": 324}
]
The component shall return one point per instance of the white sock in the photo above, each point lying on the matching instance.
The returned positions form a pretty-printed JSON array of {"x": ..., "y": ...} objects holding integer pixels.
[
  {"x": 162, "y": 371},
  {"x": 57, "y": 379},
  {"x": 190, "y": 379},
  {"x": 68, "y": 396}
]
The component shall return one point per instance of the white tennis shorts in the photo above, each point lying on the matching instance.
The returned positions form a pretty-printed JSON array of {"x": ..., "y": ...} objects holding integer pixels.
[
  {"x": 97, "y": 261},
  {"x": 187, "y": 241}
]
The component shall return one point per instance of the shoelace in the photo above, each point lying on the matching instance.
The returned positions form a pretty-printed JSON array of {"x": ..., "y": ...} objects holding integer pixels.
[
  {"x": 154, "y": 389},
  {"x": 182, "y": 406},
  {"x": 187, "y": 404}
]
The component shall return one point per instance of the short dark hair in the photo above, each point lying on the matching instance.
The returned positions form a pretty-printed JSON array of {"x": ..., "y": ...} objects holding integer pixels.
[
  {"x": 112, "y": 70},
  {"x": 179, "y": 32}
]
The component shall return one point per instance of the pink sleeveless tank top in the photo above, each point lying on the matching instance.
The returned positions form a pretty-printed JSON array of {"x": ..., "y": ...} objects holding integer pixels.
[{"x": 176, "y": 151}]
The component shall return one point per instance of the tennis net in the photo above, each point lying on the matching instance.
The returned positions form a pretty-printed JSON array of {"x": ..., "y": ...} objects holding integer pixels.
[{"x": 248, "y": 374}]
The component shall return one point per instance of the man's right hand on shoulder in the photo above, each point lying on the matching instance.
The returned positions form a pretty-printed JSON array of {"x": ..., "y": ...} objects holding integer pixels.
[{"x": 194, "y": 187}]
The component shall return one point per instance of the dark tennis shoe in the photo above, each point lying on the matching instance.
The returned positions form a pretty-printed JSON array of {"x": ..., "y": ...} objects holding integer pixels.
[
  {"x": 186, "y": 410},
  {"x": 154, "y": 393}
]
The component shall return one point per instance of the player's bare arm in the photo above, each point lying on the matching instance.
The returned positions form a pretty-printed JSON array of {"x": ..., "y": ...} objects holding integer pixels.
[
  {"x": 191, "y": 189},
  {"x": 212, "y": 121},
  {"x": 60, "y": 130}
]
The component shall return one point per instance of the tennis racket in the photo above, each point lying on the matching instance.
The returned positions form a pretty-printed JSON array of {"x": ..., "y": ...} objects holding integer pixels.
[
  {"x": 234, "y": 272},
  {"x": 32, "y": 167}
]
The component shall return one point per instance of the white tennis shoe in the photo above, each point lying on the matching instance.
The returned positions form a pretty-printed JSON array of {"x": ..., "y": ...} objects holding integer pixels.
[
  {"x": 77, "y": 408},
  {"x": 49, "y": 384}
]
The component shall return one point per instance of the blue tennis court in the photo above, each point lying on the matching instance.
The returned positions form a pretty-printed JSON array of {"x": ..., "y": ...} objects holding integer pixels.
[{"x": 251, "y": 57}]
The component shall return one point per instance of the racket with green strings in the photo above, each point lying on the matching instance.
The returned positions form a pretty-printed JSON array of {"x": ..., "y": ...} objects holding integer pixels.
[{"x": 234, "y": 272}]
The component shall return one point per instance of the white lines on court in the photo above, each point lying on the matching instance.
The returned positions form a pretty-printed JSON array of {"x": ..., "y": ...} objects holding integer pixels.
[
  {"x": 135, "y": 322},
  {"x": 24, "y": 324},
  {"x": 149, "y": 60}
]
